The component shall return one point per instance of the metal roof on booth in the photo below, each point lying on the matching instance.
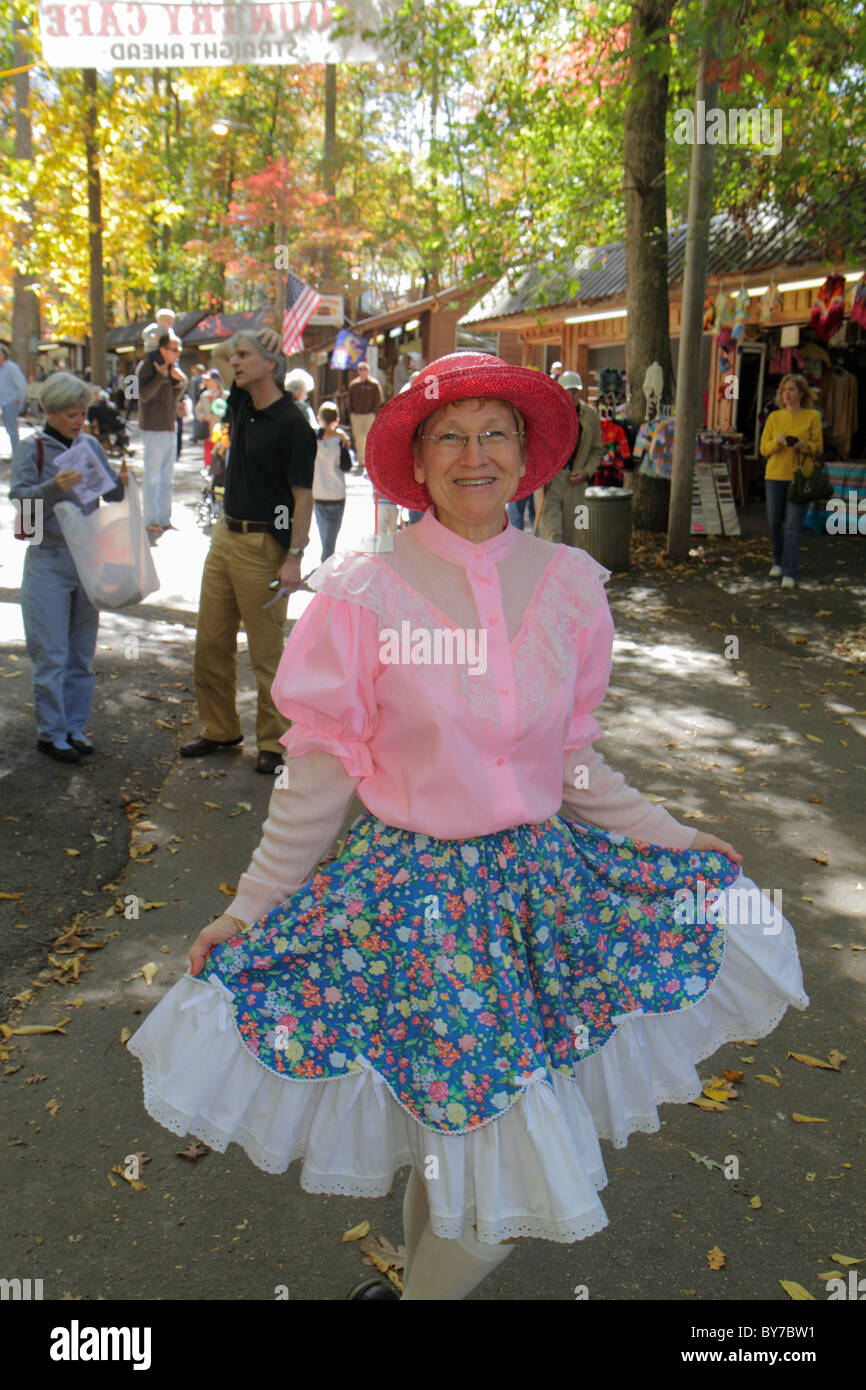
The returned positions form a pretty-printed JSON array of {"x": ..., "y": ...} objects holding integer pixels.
[{"x": 766, "y": 239}]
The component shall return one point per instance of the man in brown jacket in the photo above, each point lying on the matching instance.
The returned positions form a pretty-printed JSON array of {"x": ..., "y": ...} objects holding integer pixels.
[
  {"x": 365, "y": 402},
  {"x": 563, "y": 494},
  {"x": 160, "y": 386}
]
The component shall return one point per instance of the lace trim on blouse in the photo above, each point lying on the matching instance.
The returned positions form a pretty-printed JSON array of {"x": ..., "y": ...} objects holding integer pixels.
[{"x": 566, "y": 598}]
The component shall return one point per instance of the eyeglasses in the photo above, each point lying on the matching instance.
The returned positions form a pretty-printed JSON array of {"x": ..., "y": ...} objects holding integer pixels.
[{"x": 490, "y": 441}]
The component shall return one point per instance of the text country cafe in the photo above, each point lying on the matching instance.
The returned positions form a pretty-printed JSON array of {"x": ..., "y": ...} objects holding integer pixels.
[{"x": 130, "y": 20}]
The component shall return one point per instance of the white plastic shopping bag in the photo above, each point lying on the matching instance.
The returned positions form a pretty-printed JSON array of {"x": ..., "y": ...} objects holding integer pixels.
[{"x": 110, "y": 549}]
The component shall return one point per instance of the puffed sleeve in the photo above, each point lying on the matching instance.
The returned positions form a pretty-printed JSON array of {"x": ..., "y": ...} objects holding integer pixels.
[
  {"x": 595, "y": 655},
  {"x": 591, "y": 791},
  {"x": 325, "y": 683}
]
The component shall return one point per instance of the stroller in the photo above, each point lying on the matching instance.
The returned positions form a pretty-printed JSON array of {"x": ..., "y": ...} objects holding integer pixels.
[
  {"x": 105, "y": 423},
  {"x": 210, "y": 508}
]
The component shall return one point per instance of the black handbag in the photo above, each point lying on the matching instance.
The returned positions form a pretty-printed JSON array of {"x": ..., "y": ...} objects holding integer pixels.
[{"x": 814, "y": 487}]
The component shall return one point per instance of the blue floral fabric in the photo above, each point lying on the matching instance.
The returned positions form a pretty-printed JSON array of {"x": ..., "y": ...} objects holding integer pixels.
[{"x": 457, "y": 968}]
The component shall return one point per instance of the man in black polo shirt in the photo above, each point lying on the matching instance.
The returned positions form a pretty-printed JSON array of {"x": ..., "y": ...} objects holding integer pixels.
[{"x": 268, "y": 509}]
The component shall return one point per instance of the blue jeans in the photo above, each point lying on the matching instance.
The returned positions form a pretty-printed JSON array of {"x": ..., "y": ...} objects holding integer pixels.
[
  {"x": 517, "y": 511},
  {"x": 160, "y": 451},
  {"x": 10, "y": 424},
  {"x": 786, "y": 522},
  {"x": 60, "y": 626},
  {"x": 329, "y": 519}
]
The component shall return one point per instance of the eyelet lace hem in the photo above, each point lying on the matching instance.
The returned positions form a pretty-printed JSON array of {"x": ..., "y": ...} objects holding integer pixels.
[{"x": 568, "y": 1097}]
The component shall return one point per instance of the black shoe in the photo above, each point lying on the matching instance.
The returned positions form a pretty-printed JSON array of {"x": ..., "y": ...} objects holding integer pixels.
[
  {"x": 60, "y": 755},
  {"x": 200, "y": 747},
  {"x": 81, "y": 745},
  {"x": 269, "y": 762},
  {"x": 374, "y": 1288}
]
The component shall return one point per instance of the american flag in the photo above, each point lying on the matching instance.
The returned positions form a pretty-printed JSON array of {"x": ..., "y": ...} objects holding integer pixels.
[{"x": 301, "y": 302}]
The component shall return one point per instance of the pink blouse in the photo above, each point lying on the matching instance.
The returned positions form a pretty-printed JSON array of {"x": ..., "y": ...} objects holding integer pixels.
[
  {"x": 497, "y": 735},
  {"x": 462, "y": 747}
]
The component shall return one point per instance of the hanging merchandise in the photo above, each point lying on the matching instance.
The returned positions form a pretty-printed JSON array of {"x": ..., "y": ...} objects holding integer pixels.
[
  {"x": 726, "y": 343},
  {"x": 709, "y": 314},
  {"x": 616, "y": 455},
  {"x": 724, "y": 311},
  {"x": 828, "y": 310},
  {"x": 858, "y": 308},
  {"x": 771, "y": 300},
  {"x": 610, "y": 382},
  {"x": 741, "y": 314}
]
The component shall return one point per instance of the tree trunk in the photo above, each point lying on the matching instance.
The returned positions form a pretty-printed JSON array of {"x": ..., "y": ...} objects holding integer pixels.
[
  {"x": 329, "y": 168},
  {"x": 648, "y": 331},
  {"x": 25, "y": 303},
  {"x": 98, "y": 371},
  {"x": 694, "y": 291}
]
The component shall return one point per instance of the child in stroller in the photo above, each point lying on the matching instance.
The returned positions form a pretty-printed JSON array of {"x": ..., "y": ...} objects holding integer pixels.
[
  {"x": 214, "y": 476},
  {"x": 105, "y": 423}
]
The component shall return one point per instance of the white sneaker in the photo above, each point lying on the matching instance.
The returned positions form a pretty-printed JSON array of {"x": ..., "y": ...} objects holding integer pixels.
[
  {"x": 775, "y": 571},
  {"x": 787, "y": 582}
]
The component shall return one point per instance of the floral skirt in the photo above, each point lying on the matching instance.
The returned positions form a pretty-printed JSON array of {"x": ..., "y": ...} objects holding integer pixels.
[{"x": 462, "y": 1003}]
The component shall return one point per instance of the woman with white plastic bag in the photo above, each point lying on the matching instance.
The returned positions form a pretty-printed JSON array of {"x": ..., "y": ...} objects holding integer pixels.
[{"x": 60, "y": 621}]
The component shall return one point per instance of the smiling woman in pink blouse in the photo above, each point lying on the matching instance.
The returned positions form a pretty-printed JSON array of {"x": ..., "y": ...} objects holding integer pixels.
[{"x": 514, "y": 954}]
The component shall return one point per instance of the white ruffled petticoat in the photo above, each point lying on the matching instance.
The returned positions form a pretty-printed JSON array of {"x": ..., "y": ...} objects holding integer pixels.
[{"x": 534, "y": 1171}]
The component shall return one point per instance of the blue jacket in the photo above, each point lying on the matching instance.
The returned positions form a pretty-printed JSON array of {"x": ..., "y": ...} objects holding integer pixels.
[{"x": 26, "y": 482}]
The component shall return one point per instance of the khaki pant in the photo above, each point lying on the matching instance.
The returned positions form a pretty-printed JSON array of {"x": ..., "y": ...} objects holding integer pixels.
[
  {"x": 234, "y": 585},
  {"x": 361, "y": 425},
  {"x": 557, "y": 517}
]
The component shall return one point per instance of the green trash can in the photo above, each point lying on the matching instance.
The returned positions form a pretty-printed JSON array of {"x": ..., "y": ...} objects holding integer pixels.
[{"x": 607, "y": 534}]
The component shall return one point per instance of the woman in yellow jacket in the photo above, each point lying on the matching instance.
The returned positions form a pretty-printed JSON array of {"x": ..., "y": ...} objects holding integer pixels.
[{"x": 792, "y": 432}]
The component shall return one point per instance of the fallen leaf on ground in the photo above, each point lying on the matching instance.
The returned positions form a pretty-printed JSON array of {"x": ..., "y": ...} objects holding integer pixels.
[
  {"x": 8, "y": 897},
  {"x": 807, "y": 1119},
  {"x": 227, "y": 889},
  {"x": 762, "y": 1076},
  {"x": 716, "y": 1258},
  {"x": 704, "y": 1104},
  {"x": 136, "y": 851},
  {"x": 194, "y": 1152},
  {"x": 357, "y": 1232},
  {"x": 811, "y": 1061},
  {"x": 125, "y": 1035},
  {"x": 836, "y": 1057},
  {"x": 755, "y": 1202},
  {"x": 73, "y": 852},
  {"x": 709, "y": 1163},
  {"x": 796, "y": 1291},
  {"x": 845, "y": 1260},
  {"x": 52, "y": 1106},
  {"x": 29, "y": 1030},
  {"x": 149, "y": 972},
  {"x": 733, "y": 1075}
]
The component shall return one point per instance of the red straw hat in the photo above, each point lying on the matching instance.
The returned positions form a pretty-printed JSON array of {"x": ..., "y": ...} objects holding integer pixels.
[{"x": 551, "y": 421}]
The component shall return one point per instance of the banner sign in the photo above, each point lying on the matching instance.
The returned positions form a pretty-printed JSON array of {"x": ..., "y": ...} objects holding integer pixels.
[
  {"x": 117, "y": 34},
  {"x": 329, "y": 312},
  {"x": 349, "y": 350}
]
